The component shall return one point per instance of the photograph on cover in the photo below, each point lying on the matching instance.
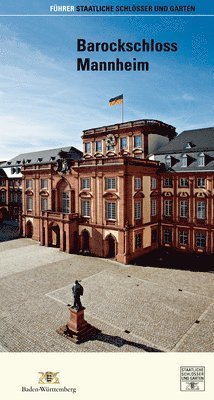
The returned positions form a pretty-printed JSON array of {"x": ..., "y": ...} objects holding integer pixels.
[{"x": 106, "y": 181}]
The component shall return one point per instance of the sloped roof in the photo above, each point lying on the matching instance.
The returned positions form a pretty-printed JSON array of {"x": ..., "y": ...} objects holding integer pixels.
[
  {"x": 192, "y": 164},
  {"x": 42, "y": 157},
  {"x": 9, "y": 174},
  {"x": 194, "y": 140},
  {"x": 2, "y": 173}
]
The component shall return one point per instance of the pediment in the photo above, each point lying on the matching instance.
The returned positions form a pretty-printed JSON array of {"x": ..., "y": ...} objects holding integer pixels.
[
  {"x": 167, "y": 194},
  {"x": 200, "y": 194},
  {"x": 183, "y": 194},
  {"x": 29, "y": 192},
  {"x": 111, "y": 154},
  {"x": 139, "y": 195},
  {"x": 154, "y": 193},
  {"x": 85, "y": 194},
  {"x": 44, "y": 192},
  {"x": 111, "y": 196},
  {"x": 98, "y": 155}
]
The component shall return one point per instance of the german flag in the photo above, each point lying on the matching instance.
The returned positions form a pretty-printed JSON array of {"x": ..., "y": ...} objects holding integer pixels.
[{"x": 116, "y": 100}]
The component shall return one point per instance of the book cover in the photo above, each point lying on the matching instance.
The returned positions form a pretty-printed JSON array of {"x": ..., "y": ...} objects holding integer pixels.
[{"x": 106, "y": 199}]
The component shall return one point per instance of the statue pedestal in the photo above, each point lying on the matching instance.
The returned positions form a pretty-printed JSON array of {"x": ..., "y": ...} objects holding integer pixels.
[{"x": 77, "y": 329}]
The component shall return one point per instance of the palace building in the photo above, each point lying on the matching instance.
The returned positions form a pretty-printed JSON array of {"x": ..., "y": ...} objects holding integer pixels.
[
  {"x": 10, "y": 194},
  {"x": 3, "y": 194},
  {"x": 135, "y": 187},
  {"x": 187, "y": 191}
]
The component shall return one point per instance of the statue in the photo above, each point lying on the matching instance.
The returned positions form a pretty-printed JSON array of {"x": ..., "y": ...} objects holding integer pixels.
[
  {"x": 77, "y": 291},
  {"x": 64, "y": 165},
  {"x": 77, "y": 329}
]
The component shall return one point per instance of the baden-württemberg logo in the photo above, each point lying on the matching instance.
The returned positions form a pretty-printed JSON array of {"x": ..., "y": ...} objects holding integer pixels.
[
  {"x": 48, "y": 377},
  {"x": 46, "y": 382},
  {"x": 192, "y": 379}
]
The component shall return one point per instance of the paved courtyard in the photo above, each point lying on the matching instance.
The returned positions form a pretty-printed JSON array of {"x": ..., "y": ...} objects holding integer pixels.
[{"x": 137, "y": 309}]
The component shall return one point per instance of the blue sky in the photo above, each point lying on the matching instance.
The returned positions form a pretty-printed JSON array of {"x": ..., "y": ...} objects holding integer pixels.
[{"x": 46, "y": 103}]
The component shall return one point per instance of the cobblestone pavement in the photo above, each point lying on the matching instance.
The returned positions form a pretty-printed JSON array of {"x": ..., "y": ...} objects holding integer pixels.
[
  {"x": 8, "y": 231},
  {"x": 137, "y": 309}
]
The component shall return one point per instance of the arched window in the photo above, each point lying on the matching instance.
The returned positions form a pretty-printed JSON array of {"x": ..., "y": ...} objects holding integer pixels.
[
  {"x": 65, "y": 197},
  {"x": 201, "y": 160},
  {"x": 168, "y": 161},
  {"x": 184, "y": 160}
]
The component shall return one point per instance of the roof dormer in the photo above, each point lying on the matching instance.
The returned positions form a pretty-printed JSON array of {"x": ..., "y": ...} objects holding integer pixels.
[
  {"x": 189, "y": 145},
  {"x": 201, "y": 160}
]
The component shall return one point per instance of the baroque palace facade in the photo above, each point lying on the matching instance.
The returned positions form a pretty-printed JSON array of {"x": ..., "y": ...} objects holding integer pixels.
[
  {"x": 136, "y": 187},
  {"x": 10, "y": 194}
]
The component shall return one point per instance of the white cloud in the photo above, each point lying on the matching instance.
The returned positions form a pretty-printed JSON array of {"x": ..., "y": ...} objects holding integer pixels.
[{"x": 187, "y": 97}]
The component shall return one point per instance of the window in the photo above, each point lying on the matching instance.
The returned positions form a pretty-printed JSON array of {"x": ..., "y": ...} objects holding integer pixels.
[
  {"x": 110, "y": 183},
  {"x": 28, "y": 183},
  {"x": 2, "y": 197},
  {"x": 137, "y": 183},
  {"x": 184, "y": 182},
  {"x": 168, "y": 161},
  {"x": 168, "y": 208},
  {"x": 15, "y": 170},
  {"x": 123, "y": 143},
  {"x": 44, "y": 183},
  {"x": 98, "y": 145},
  {"x": 111, "y": 211},
  {"x": 201, "y": 182},
  {"x": 65, "y": 202},
  {"x": 168, "y": 182},
  {"x": 15, "y": 197},
  {"x": 201, "y": 160},
  {"x": 87, "y": 147},
  {"x": 167, "y": 236},
  {"x": 137, "y": 141},
  {"x": 153, "y": 207},
  {"x": 17, "y": 183},
  {"x": 183, "y": 237},
  {"x": 154, "y": 237},
  {"x": 138, "y": 240},
  {"x": 184, "y": 208},
  {"x": 11, "y": 197},
  {"x": 44, "y": 203},
  {"x": 138, "y": 155},
  {"x": 86, "y": 208},
  {"x": 200, "y": 239},
  {"x": 3, "y": 182},
  {"x": 184, "y": 160},
  {"x": 29, "y": 203},
  {"x": 138, "y": 210},
  {"x": 153, "y": 183},
  {"x": 110, "y": 147},
  {"x": 201, "y": 209},
  {"x": 85, "y": 183}
]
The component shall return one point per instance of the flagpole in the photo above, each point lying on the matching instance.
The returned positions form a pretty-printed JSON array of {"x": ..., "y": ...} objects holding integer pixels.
[{"x": 122, "y": 112}]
